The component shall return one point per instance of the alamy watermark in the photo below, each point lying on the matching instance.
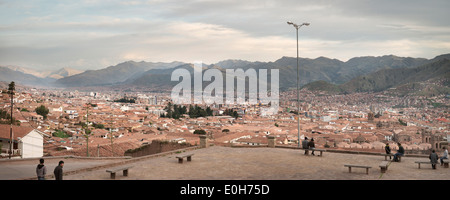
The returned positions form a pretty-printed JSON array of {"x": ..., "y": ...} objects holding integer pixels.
[{"x": 257, "y": 89}]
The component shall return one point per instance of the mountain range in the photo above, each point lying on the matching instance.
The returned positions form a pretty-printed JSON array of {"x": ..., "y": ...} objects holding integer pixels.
[
  {"x": 28, "y": 76},
  {"x": 433, "y": 77},
  {"x": 359, "y": 74}
]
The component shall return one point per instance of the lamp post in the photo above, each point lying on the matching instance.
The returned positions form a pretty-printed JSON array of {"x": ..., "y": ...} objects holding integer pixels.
[{"x": 296, "y": 26}]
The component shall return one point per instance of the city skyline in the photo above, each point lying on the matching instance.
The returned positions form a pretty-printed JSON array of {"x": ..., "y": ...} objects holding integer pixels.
[{"x": 96, "y": 34}]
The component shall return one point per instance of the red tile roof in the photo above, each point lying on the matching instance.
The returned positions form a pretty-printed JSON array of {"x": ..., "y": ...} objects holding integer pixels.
[{"x": 18, "y": 131}]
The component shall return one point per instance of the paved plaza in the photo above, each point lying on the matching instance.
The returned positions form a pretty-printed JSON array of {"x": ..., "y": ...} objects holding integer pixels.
[{"x": 225, "y": 163}]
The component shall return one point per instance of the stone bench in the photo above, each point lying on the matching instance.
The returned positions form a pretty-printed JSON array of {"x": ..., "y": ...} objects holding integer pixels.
[
  {"x": 446, "y": 163},
  {"x": 423, "y": 162},
  {"x": 320, "y": 150},
  {"x": 399, "y": 157},
  {"x": 357, "y": 166},
  {"x": 181, "y": 157},
  {"x": 384, "y": 166},
  {"x": 386, "y": 155},
  {"x": 113, "y": 171}
]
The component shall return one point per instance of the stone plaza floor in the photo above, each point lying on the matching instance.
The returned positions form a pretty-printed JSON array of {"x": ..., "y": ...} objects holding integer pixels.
[{"x": 225, "y": 163}]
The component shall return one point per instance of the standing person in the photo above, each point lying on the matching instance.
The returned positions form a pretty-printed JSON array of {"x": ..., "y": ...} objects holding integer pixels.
[
  {"x": 41, "y": 170},
  {"x": 445, "y": 156},
  {"x": 58, "y": 172},
  {"x": 387, "y": 148},
  {"x": 311, "y": 146},
  {"x": 433, "y": 159},
  {"x": 400, "y": 152},
  {"x": 305, "y": 145}
]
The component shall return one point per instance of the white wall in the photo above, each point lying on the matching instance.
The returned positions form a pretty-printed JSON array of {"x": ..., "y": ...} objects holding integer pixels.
[{"x": 32, "y": 145}]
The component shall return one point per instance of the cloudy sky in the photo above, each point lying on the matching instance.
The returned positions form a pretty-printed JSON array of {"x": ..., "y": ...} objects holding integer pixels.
[{"x": 94, "y": 34}]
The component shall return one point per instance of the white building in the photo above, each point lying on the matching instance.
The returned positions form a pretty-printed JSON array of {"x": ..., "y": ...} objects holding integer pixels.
[{"x": 27, "y": 142}]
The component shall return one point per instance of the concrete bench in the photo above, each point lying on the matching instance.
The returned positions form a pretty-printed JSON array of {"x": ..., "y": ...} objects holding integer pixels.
[
  {"x": 181, "y": 157},
  {"x": 446, "y": 163},
  {"x": 384, "y": 166},
  {"x": 399, "y": 157},
  {"x": 113, "y": 171},
  {"x": 320, "y": 150},
  {"x": 357, "y": 166},
  {"x": 386, "y": 155},
  {"x": 423, "y": 162}
]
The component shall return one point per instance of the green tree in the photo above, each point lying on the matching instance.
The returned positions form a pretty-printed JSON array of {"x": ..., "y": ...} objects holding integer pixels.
[
  {"x": 60, "y": 134},
  {"x": 99, "y": 126},
  {"x": 42, "y": 110},
  {"x": 200, "y": 132}
]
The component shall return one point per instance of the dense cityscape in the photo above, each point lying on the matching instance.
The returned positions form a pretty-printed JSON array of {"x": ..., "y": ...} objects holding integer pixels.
[{"x": 110, "y": 123}]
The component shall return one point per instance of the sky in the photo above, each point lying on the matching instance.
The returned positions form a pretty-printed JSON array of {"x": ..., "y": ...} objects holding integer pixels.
[{"x": 95, "y": 34}]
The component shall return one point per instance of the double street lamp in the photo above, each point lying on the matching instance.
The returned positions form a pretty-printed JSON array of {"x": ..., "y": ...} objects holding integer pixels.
[{"x": 296, "y": 26}]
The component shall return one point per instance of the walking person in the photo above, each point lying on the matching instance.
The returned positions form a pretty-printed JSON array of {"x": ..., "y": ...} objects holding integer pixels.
[
  {"x": 58, "y": 172},
  {"x": 433, "y": 159},
  {"x": 305, "y": 145},
  {"x": 400, "y": 152},
  {"x": 445, "y": 156},
  {"x": 312, "y": 146},
  {"x": 387, "y": 148},
  {"x": 41, "y": 170}
]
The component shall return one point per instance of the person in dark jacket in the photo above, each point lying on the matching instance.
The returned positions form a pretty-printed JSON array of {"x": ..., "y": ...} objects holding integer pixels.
[
  {"x": 58, "y": 172},
  {"x": 387, "y": 148},
  {"x": 305, "y": 144},
  {"x": 311, "y": 146},
  {"x": 400, "y": 152},
  {"x": 41, "y": 170},
  {"x": 433, "y": 159}
]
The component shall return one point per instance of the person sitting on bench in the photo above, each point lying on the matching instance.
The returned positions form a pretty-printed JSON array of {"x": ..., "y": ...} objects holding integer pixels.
[
  {"x": 400, "y": 152},
  {"x": 311, "y": 146},
  {"x": 445, "y": 156},
  {"x": 387, "y": 148},
  {"x": 305, "y": 144}
]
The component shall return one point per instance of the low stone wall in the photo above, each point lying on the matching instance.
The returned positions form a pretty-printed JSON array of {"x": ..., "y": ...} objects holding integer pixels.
[{"x": 157, "y": 146}]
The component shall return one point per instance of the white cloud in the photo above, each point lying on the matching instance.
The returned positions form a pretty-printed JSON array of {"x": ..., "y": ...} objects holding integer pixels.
[{"x": 95, "y": 33}]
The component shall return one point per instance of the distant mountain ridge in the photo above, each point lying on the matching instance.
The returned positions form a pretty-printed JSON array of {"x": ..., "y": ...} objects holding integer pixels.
[
  {"x": 331, "y": 73},
  {"x": 20, "y": 78},
  {"x": 438, "y": 71},
  {"x": 112, "y": 75},
  {"x": 64, "y": 72},
  {"x": 57, "y": 74}
]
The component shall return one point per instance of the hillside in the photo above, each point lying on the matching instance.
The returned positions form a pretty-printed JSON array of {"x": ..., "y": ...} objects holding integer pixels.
[
  {"x": 142, "y": 74},
  {"x": 436, "y": 73},
  {"x": 320, "y": 69},
  {"x": 64, "y": 72},
  {"x": 21, "y": 78},
  {"x": 111, "y": 75}
]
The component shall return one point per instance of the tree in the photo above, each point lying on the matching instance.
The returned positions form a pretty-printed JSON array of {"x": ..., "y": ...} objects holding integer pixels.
[
  {"x": 99, "y": 126},
  {"x": 402, "y": 122},
  {"x": 12, "y": 87},
  {"x": 60, "y": 134},
  {"x": 42, "y": 110},
  {"x": 209, "y": 112},
  {"x": 200, "y": 132}
]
